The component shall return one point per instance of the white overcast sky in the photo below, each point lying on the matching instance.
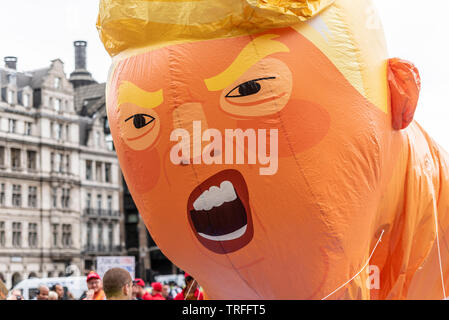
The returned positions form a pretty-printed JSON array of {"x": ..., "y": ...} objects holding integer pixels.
[{"x": 37, "y": 31}]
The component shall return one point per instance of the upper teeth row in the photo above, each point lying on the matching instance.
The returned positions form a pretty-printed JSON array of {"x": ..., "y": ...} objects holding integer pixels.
[{"x": 215, "y": 196}]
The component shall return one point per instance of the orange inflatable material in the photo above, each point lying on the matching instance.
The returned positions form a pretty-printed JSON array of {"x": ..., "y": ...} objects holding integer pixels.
[{"x": 276, "y": 141}]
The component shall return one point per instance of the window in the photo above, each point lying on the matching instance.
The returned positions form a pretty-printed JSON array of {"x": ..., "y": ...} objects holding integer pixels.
[
  {"x": 59, "y": 131},
  {"x": 59, "y": 161},
  {"x": 2, "y": 194},
  {"x": 17, "y": 234},
  {"x": 109, "y": 143},
  {"x": 99, "y": 201},
  {"x": 97, "y": 138},
  {"x": 107, "y": 172},
  {"x": 32, "y": 235},
  {"x": 2, "y": 156},
  {"x": 88, "y": 200},
  {"x": 98, "y": 171},
  {"x": 12, "y": 126},
  {"x": 10, "y": 97},
  {"x": 26, "y": 99},
  {"x": 67, "y": 163},
  {"x": 100, "y": 236},
  {"x": 16, "y": 158},
  {"x": 2, "y": 234},
  {"x": 66, "y": 235},
  {"x": 17, "y": 195},
  {"x": 12, "y": 78},
  {"x": 67, "y": 133},
  {"x": 58, "y": 105},
  {"x": 109, "y": 203},
  {"x": 65, "y": 198},
  {"x": 88, "y": 170},
  {"x": 28, "y": 128},
  {"x": 52, "y": 161},
  {"x": 55, "y": 229},
  {"x": 54, "y": 197},
  {"x": 110, "y": 236},
  {"x": 57, "y": 83},
  {"x": 32, "y": 197},
  {"x": 89, "y": 235},
  {"x": 31, "y": 160}
]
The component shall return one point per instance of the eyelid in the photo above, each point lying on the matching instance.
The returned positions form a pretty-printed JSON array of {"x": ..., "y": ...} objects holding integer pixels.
[
  {"x": 255, "y": 80},
  {"x": 255, "y": 103},
  {"x": 139, "y": 114}
]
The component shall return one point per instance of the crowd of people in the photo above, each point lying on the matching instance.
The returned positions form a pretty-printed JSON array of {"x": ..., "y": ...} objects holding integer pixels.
[{"x": 117, "y": 284}]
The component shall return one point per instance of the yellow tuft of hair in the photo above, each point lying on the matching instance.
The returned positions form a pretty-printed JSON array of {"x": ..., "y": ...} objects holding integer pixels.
[{"x": 348, "y": 32}]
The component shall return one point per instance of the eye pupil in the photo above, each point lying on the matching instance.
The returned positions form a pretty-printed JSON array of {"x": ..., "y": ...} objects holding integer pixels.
[
  {"x": 139, "y": 121},
  {"x": 249, "y": 88}
]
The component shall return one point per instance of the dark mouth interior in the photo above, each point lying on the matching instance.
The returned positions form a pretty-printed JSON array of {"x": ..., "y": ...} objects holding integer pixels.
[{"x": 222, "y": 220}]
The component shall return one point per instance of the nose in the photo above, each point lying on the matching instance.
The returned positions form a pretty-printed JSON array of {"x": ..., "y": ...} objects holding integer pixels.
[{"x": 190, "y": 116}]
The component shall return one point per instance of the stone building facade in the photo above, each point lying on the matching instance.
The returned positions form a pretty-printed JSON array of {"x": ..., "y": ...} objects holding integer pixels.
[{"x": 60, "y": 182}]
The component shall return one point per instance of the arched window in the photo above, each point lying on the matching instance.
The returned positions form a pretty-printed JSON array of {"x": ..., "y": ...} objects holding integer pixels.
[
  {"x": 32, "y": 275},
  {"x": 16, "y": 278}
]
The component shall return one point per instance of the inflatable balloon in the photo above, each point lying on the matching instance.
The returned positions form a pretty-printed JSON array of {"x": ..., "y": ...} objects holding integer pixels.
[{"x": 271, "y": 150}]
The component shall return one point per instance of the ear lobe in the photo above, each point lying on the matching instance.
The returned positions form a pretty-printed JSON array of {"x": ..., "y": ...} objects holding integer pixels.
[{"x": 405, "y": 85}]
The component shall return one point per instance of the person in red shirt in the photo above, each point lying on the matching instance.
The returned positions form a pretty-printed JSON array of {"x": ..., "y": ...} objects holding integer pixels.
[
  {"x": 139, "y": 290},
  {"x": 191, "y": 291},
  {"x": 157, "y": 291}
]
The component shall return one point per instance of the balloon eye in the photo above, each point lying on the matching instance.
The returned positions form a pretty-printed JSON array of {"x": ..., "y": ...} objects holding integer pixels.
[
  {"x": 247, "y": 88},
  {"x": 141, "y": 120}
]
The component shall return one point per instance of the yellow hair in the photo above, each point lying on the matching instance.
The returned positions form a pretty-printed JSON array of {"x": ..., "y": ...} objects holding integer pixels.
[
  {"x": 125, "y": 24},
  {"x": 348, "y": 32}
]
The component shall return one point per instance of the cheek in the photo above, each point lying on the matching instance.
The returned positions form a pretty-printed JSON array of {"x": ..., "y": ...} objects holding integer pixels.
[
  {"x": 141, "y": 169},
  {"x": 304, "y": 125},
  {"x": 301, "y": 125}
]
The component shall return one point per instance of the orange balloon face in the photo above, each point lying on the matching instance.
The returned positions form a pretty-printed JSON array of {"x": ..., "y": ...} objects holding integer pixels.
[{"x": 277, "y": 223}]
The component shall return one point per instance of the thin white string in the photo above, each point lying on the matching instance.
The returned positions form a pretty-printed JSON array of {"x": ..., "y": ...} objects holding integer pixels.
[
  {"x": 439, "y": 252},
  {"x": 190, "y": 287},
  {"x": 363, "y": 268}
]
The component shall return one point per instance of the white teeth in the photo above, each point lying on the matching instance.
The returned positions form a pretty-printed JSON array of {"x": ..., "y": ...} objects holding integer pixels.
[
  {"x": 230, "y": 236},
  {"x": 215, "y": 196}
]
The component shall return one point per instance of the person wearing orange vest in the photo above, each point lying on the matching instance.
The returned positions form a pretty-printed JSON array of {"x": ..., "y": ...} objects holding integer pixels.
[{"x": 95, "y": 287}]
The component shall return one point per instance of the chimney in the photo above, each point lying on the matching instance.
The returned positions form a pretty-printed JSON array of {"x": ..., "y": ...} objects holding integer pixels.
[
  {"x": 80, "y": 55},
  {"x": 11, "y": 62},
  {"x": 80, "y": 76}
]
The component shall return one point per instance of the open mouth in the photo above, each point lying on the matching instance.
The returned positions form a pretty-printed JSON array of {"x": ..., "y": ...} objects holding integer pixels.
[{"x": 219, "y": 213}]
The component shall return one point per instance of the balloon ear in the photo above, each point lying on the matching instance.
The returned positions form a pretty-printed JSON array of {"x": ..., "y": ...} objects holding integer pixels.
[{"x": 405, "y": 85}]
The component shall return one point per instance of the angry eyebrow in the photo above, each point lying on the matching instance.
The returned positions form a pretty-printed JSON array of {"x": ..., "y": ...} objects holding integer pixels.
[
  {"x": 130, "y": 93},
  {"x": 253, "y": 52}
]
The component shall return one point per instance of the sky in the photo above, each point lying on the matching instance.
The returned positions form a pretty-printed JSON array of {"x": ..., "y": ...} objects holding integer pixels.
[{"x": 38, "y": 31}]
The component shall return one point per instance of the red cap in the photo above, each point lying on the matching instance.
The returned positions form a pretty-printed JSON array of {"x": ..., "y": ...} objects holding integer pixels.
[
  {"x": 157, "y": 286},
  {"x": 92, "y": 275},
  {"x": 187, "y": 275},
  {"x": 139, "y": 282}
]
